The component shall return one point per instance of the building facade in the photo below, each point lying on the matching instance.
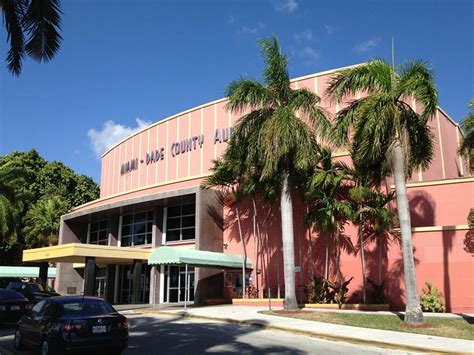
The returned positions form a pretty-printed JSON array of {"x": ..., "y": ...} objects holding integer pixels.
[{"x": 151, "y": 198}]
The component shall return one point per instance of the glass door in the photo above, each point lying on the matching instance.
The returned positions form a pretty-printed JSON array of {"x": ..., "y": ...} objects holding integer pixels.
[
  {"x": 175, "y": 284},
  {"x": 100, "y": 287}
]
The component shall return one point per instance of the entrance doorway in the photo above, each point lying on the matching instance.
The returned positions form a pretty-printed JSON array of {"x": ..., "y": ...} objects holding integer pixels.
[
  {"x": 175, "y": 283},
  {"x": 100, "y": 285},
  {"x": 126, "y": 284}
]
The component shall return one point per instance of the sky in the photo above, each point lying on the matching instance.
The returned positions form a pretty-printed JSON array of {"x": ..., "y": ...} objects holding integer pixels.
[{"x": 125, "y": 64}]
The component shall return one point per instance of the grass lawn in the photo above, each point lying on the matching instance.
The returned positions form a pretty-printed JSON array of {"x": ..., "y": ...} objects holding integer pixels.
[{"x": 445, "y": 327}]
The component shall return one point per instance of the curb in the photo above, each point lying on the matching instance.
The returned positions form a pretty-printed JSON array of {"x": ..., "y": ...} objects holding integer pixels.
[{"x": 326, "y": 336}]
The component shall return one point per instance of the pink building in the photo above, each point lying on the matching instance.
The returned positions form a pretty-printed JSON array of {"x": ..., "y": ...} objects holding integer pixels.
[{"x": 151, "y": 197}]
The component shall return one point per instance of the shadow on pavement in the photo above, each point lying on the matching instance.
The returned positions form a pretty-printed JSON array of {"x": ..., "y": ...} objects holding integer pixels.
[{"x": 178, "y": 335}]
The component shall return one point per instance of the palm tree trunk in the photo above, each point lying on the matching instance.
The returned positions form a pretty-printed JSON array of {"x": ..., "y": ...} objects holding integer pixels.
[
  {"x": 288, "y": 243},
  {"x": 379, "y": 242},
  {"x": 362, "y": 259},
  {"x": 413, "y": 312},
  {"x": 326, "y": 263},
  {"x": 255, "y": 244},
  {"x": 244, "y": 263}
]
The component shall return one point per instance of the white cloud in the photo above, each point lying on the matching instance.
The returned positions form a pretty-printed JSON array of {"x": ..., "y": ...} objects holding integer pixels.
[
  {"x": 286, "y": 6},
  {"x": 366, "y": 46},
  {"x": 252, "y": 29},
  {"x": 329, "y": 29},
  {"x": 111, "y": 133},
  {"x": 303, "y": 36},
  {"x": 309, "y": 54}
]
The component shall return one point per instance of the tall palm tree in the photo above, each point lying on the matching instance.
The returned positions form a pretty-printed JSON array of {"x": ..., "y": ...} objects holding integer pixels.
[
  {"x": 42, "y": 222},
  {"x": 33, "y": 28},
  {"x": 383, "y": 127},
  {"x": 279, "y": 136},
  {"x": 467, "y": 145}
]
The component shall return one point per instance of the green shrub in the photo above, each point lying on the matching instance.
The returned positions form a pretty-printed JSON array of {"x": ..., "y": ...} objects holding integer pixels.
[
  {"x": 431, "y": 299},
  {"x": 340, "y": 290},
  {"x": 317, "y": 291}
]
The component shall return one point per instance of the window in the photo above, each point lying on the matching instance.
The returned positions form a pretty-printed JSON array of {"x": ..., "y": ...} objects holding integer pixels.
[
  {"x": 181, "y": 222},
  {"x": 137, "y": 229},
  {"x": 99, "y": 233}
]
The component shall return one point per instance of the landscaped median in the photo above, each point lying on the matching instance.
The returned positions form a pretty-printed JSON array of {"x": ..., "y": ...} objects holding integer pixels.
[{"x": 461, "y": 328}]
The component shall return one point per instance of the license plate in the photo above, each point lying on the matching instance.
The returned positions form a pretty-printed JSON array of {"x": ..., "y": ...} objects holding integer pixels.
[
  {"x": 97, "y": 329},
  {"x": 15, "y": 308},
  {"x": 2, "y": 308}
]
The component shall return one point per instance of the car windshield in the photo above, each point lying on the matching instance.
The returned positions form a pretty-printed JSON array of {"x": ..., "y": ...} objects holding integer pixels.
[
  {"x": 87, "y": 308},
  {"x": 9, "y": 295}
]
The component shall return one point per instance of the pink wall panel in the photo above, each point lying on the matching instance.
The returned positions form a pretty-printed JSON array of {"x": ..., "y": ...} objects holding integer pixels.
[
  {"x": 208, "y": 147},
  {"x": 170, "y": 161},
  {"x": 435, "y": 171},
  {"x": 452, "y": 163},
  {"x": 151, "y": 166},
  {"x": 183, "y": 157},
  {"x": 143, "y": 150},
  {"x": 223, "y": 125},
  {"x": 195, "y": 155}
]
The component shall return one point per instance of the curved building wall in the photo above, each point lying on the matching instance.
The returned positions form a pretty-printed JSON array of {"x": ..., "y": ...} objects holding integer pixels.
[{"x": 181, "y": 148}]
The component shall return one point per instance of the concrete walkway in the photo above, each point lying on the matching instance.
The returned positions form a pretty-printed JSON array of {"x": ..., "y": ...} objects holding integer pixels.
[{"x": 364, "y": 336}]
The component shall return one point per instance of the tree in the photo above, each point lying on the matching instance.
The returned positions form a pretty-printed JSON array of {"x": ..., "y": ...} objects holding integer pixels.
[
  {"x": 279, "y": 136},
  {"x": 466, "y": 148},
  {"x": 42, "y": 222},
  {"x": 329, "y": 208},
  {"x": 383, "y": 128},
  {"x": 33, "y": 28}
]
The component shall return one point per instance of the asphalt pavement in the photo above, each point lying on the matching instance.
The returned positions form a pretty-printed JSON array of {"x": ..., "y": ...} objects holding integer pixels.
[{"x": 158, "y": 334}]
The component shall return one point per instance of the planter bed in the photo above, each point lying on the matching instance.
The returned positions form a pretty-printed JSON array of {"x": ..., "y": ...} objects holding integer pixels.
[
  {"x": 349, "y": 306},
  {"x": 260, "y": 302}
]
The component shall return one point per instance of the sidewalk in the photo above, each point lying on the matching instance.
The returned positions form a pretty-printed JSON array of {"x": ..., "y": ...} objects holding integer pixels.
[{"x": 363, "y": 336}]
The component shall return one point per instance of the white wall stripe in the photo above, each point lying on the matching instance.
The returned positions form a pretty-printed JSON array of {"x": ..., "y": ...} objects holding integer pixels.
[
  {"x": 189, "y": 135},
  {"x": 215, "y": 127},
  {"x": 202, "y": 132},
  {"x": 177, "y": 140},
  {"x": 166, "y": 158}
]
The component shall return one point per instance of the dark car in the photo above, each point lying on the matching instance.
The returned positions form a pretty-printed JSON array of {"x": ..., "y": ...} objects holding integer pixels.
[
  {"x": 34, "y": 291},
  {"x": 12, "y": 305},
  {"x": 59, "y": 325}
]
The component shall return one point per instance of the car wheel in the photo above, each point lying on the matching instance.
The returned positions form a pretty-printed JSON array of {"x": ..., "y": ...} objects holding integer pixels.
[{"x": 18, "y": 343}]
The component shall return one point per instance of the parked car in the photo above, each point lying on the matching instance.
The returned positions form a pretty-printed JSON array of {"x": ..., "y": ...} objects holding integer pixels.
[
  {"x": 59, "y": 325},
  {"x": 34, "y": 291},
  {"x": 12, "y": 305}
]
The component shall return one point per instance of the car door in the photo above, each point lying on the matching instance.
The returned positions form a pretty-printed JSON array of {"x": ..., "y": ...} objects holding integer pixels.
[
  {"x": 41, "y": 322},
  {"x": 27, "y": 322}
]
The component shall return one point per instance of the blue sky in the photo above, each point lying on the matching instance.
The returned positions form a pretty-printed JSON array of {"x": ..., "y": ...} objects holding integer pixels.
[{"x": 123, "y": 64}]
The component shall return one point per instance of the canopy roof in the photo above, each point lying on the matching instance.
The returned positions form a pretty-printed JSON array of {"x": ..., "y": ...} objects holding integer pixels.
[
  {"x": 77, "y": 253},
  {"x": 181, "y": 256},
  {"x": 24, "y": 271}
]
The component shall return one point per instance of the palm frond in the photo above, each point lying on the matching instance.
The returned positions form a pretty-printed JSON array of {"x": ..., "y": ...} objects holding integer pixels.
[
  {"x": 416, "y": 79},
  {"x": 276, "y": 70},
  {"x": 13, "y": 12},
  {"x": 42, "y": 23},
  {"x": 373, "y": 76},
  {"x": 247, "y": 94}
]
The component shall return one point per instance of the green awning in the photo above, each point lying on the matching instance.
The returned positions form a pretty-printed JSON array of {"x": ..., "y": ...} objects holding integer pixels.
[
  {"x": 24, "y": 271},
  {"x": 180, "y": 256}
]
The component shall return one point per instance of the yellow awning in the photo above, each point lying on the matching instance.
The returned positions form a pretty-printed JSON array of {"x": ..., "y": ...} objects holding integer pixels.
[{"x": 77, "y": 253}]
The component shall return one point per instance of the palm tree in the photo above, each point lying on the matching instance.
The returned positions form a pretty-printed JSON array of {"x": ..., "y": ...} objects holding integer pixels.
[
  {"x": 42, "y": 222},
  {"x": 8, "y": 201},
  {"x": 33, "y": 28},
  {"x": 466, "y": 148},
  {"x": 329, "y": 208},
  {"x": 279, "y": 137},
  {"x": 384, "y": 128}
]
